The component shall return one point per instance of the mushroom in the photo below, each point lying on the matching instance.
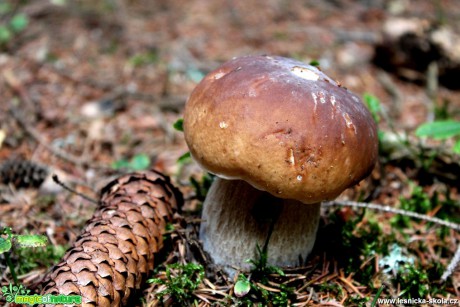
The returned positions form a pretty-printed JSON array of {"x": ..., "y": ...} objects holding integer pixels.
[{"x": 281, "y": 136}]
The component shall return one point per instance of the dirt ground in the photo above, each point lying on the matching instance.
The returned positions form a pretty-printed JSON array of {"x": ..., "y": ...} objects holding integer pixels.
[{"x": 88, "y": 83}]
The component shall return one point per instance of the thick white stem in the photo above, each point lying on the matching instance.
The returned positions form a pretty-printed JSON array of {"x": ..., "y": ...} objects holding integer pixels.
[{"x": 237, "y": 217}]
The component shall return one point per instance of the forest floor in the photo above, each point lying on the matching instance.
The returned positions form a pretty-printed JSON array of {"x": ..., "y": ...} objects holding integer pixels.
[{"x": 92, "y": 88}]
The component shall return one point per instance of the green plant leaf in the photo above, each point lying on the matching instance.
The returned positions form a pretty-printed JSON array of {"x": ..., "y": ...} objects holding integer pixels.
[
  {"x": 140, "y": 162},
  {"x": 439, "y": 129},
  {"x": 377, "y": 295},
  {"x": 4, "y": 7},
  {"x": 24, "y": 241},
  {"x": 179, "y": 125},
  {"x": 169, "y": 227},
  {"x": 314, "y": 63},
  {"x": 373, "y": 104},
  {"x": 5, "y": 34},
  {"x": 5, "y": 245},
  {"x": 137, "y": 163},
  {"x": 186, "y": 157},
  {"x": 19, "y": 22},
  {"x": 457, "y": 147},
  {"x": 242, "y": 288},
  {"x": 119, "y": 164}
]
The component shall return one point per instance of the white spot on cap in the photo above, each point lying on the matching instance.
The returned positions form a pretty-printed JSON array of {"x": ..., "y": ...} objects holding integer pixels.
[
  {"x": 218, "y": 75},
  {"x": 299, "y": 177},
  {"x": 291, "y": 157},
  {"x": 322, "y": 98},
  {"x": 348, "y": 121},
  {"x": 304, "y": 73},
  {"x": 315, "y": 98},
  {"x": 223, "y": 125},
  {"x": 332, "y": 100}
]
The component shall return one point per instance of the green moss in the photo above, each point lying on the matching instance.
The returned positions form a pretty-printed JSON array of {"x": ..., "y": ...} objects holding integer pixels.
[{"x": 181, "y": 280}]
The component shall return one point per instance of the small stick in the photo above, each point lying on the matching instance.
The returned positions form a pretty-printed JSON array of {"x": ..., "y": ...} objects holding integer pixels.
[
  {"x": 452, "y": 265},
  {"x": 453, "y": 262},
  {"x": 389, "y": 209},
  {"x": 78, "y": 161},
  {"x": 62, "y": 184},
  {"x": 36, "y": 135},
  {"x": 432, "y": 75}
]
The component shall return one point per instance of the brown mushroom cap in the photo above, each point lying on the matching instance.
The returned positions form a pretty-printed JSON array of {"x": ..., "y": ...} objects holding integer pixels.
[{"x": 282, "y": 126}]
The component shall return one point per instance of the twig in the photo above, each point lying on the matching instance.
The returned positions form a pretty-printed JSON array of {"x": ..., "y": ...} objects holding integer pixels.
[
  {"x": 454, "y": 261},
  {"x": 94, "y": 83},
  {"x": 452, "y": 265},
  {"x": 78, "y": 161},
  {"x": 62, "y": 184},
  {"x": 390, "y": 87},
  {"x": 432, "y": 75},
  {"x": 36, "y": 135},
  {"x": 352, "y": 287},
  {"x": 165, "y": 102},
  {"x": 389, "y": 209},
  {"x": 364, "y": 36},
  {"x": 18, "y": 88}
]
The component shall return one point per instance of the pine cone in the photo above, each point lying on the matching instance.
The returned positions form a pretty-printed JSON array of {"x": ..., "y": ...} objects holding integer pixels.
[
  {"x": 23, "y": 173},
  {"x": 115, "y": 253}
]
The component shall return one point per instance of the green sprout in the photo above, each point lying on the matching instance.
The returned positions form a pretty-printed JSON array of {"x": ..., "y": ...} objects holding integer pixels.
[
  {"x": 242, "y": 286},
  {"x": 260, "y": 264},
  {"x": 250, "y": 293},
  {"x": 8, "y": 241}
]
